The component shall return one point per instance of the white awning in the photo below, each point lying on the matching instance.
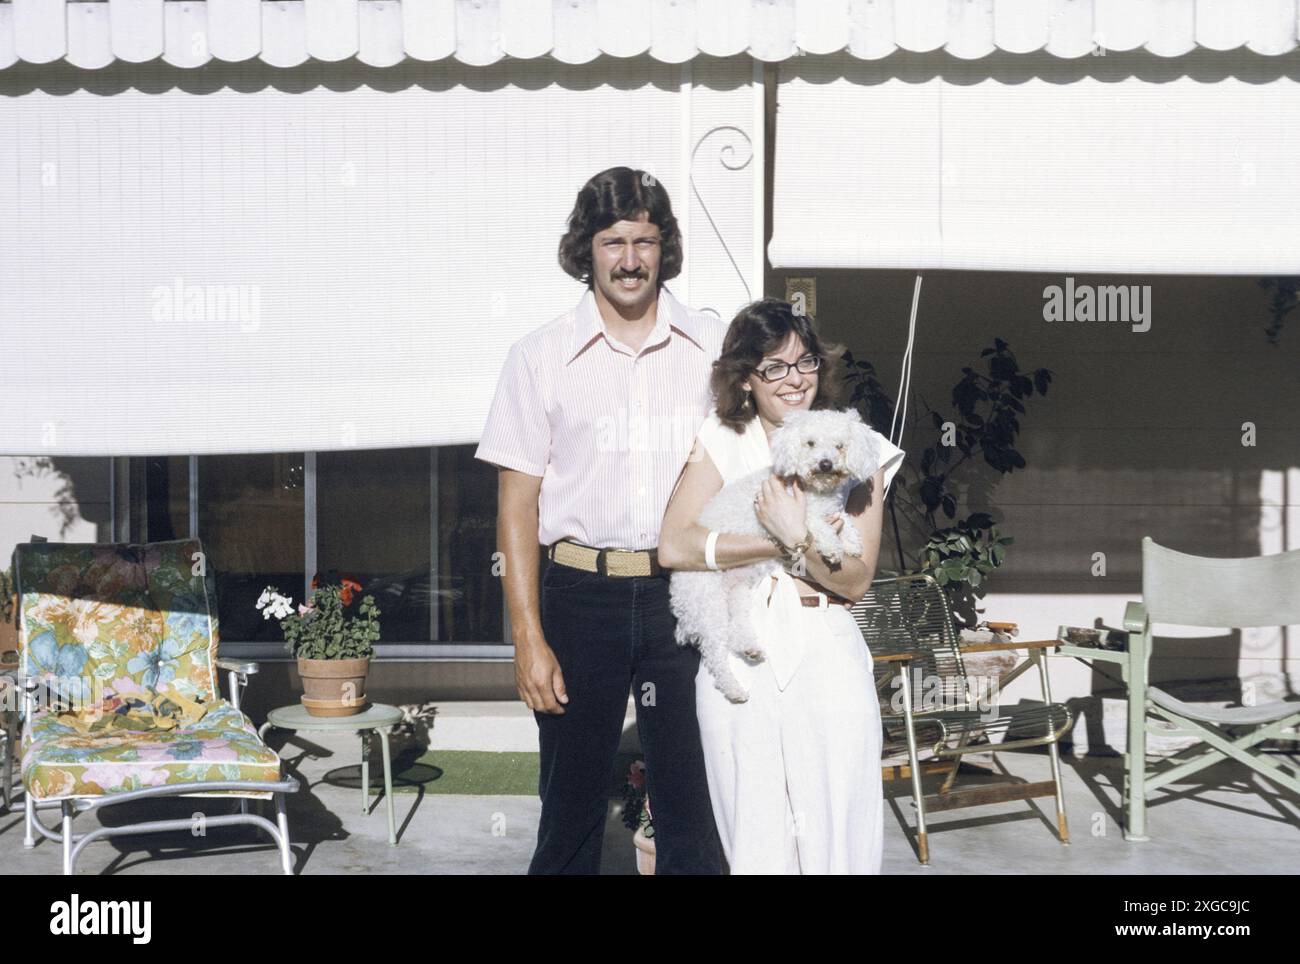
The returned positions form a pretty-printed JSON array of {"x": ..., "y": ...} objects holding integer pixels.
[
  {"x": 189, "y": 33},
  {"x": 223, "y": 271},
  {"x": 1107, "y": 165}
]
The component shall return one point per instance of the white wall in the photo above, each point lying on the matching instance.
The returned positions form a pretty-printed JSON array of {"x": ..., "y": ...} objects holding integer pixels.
[{"x": 63, "y": 499}]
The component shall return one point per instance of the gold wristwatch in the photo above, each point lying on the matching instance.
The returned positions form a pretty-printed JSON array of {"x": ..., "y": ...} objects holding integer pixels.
[{"x": 792, "y": 553}]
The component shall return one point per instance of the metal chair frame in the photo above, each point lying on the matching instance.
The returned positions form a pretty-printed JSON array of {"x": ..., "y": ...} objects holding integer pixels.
[{"x": 908, "y": 626}]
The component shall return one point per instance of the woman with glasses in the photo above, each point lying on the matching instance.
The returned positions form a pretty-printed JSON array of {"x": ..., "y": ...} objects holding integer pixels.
[{"x": 794, "y": 771}]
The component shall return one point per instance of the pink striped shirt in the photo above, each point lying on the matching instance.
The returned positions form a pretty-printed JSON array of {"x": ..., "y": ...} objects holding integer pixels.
[{"x": 607, "y": 429}]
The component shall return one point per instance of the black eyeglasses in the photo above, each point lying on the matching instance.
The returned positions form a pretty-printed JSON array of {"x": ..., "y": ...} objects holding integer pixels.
[{"x": 778, "y": 370}]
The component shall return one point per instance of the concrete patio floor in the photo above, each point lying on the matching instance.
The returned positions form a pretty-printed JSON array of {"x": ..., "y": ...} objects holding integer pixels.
[{"x": 1227, "y": 821}]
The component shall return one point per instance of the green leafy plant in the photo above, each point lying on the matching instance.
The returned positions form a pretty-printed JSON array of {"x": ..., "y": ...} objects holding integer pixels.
[
  {"x": 961, "y": 557},
  {"x": 983, "y": 426},
  {"x": 330, "y": 627}
]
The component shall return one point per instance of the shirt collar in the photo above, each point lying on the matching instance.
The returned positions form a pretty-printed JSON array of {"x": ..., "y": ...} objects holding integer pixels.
[{"x": 669, "y": 314}]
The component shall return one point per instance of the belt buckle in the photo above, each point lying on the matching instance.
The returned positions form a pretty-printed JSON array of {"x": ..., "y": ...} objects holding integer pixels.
[{"x": 602, "y": 560}]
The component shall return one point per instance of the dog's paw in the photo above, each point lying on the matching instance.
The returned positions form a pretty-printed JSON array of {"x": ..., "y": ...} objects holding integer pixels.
[
  {"x": 830, "y": 548},
  {"x": 828, "y": 545},
  {"x": 833, "y": 555},
  {"x": 851, "y": 541},
  {"x": 734, "y": 692},
  {"x": 747, "y": 649}
]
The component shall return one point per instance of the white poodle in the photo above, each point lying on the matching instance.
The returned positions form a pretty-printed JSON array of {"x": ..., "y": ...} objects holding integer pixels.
[{"x": 828, "y": 453}]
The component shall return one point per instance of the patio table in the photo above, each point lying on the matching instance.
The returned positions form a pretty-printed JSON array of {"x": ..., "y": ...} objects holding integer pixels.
[{"x": 377, "y": 716}]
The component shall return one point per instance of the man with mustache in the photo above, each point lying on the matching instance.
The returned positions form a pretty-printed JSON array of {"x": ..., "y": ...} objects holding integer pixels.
[{"x": 593, "y": 419}]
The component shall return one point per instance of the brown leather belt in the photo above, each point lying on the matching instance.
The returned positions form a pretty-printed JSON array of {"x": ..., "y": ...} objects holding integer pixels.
[
  {"x": 607, "y": 562},
  {"x": 816, "y": 601}
]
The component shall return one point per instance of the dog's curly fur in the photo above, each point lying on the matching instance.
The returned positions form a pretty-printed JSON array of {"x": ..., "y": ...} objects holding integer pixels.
[{"x": 828, "y": 453}]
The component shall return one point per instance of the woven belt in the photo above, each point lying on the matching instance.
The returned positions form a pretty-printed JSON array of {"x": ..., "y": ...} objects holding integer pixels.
[
  {"x": 830, "y": 601},
  {"x": 607, "y": 562}
]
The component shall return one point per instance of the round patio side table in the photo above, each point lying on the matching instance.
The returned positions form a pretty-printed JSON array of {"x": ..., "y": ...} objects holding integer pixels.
[{"x": 377, "y": 716}]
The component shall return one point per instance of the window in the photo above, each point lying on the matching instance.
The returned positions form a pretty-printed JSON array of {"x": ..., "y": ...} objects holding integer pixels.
[
  {"x": 416, "y": 526},
  {"x": 251, "y": 521}
]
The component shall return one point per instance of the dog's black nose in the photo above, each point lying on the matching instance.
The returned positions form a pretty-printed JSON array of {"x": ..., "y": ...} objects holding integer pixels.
[{"x": 825, "y": 465}]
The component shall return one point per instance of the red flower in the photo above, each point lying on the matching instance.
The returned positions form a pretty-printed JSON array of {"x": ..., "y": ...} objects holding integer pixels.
[
  {"x": 636, "y": 775},
  {"x": 350, "y": 586}
]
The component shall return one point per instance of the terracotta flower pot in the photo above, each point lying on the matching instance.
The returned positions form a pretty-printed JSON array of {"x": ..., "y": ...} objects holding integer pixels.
[
  {"x": 645, "y": 853},
  {"x": 334, "y": 687}
]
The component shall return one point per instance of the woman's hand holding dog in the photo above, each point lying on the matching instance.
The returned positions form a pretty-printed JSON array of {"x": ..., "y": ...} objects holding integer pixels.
[
  {"x": 777, "y": 506},
  {"x": 781, "y": 511}
]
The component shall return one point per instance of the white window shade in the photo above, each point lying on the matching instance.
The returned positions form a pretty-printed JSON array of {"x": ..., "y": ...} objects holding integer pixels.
[
  {"x": 189, "y": 33},
  {"x": 394, "y": 243},
  {"x": 1126, "y": 165}
]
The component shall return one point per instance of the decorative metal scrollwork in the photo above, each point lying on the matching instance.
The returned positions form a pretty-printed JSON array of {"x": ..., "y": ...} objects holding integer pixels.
[{"x": 729, "y": 157}]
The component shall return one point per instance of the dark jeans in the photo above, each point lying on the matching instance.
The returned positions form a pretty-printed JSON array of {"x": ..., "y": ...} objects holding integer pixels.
[{"x": 609, "y": 633}]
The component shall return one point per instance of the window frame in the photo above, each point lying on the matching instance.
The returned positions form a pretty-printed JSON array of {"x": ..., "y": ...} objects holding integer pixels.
[{"x": 130, "y": 522}]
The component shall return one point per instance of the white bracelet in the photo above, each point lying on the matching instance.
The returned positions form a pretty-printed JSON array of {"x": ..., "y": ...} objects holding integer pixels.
[{"x": 710, "y": 545}]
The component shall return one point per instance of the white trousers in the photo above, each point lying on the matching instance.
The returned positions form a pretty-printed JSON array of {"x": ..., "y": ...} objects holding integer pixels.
[{"x": 794, "y": 774}]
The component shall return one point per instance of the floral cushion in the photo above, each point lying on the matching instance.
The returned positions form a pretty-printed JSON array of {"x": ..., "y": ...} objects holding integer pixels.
[
  {"x": 106, "y": 620},
  {"x": 61, "y": 760},
  {"x": 110, "y": 628},
  {"x": 187, "y": 655},
  {"x": 86, "y": 613}
]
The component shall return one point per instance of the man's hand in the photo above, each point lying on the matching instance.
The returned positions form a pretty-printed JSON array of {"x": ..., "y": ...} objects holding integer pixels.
[{"x": 538, "y": 678}]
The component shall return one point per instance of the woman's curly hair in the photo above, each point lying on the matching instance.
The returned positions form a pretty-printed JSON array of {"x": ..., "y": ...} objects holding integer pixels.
[
  {"x": 620, "y": 194},
  {"x": 760, "y": 328}
]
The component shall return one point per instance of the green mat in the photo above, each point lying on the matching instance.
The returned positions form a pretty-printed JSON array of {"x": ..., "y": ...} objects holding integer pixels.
[{"x": 471, "y": 772}]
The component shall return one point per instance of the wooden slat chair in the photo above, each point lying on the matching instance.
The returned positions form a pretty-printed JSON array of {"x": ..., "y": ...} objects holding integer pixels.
[
  {"x": 118, "y": 662},
  {"x": 1186, "y": 590},
  {"x": 907, "y": 625}
]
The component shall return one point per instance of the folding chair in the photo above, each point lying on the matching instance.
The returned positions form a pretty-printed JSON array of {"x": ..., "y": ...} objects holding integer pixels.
[
  {"x": 118, "y": 666},
  {"x": 1181, "y": 589},
  {"x": 909, "y": 630}
]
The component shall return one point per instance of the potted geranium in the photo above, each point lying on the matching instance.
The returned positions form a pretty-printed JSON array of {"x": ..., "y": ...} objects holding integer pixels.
[
  {"x": 637, "y": 817},
  {"x": 333, "y": 641}
]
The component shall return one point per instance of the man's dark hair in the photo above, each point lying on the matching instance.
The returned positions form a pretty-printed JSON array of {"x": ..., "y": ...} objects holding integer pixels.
[
  {"x": 760, "y": 328},
  {"x": 620, "y": 194}
]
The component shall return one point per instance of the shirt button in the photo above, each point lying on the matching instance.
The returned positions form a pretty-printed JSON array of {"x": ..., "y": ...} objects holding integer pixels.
[{"x": 641, "y": 491}]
